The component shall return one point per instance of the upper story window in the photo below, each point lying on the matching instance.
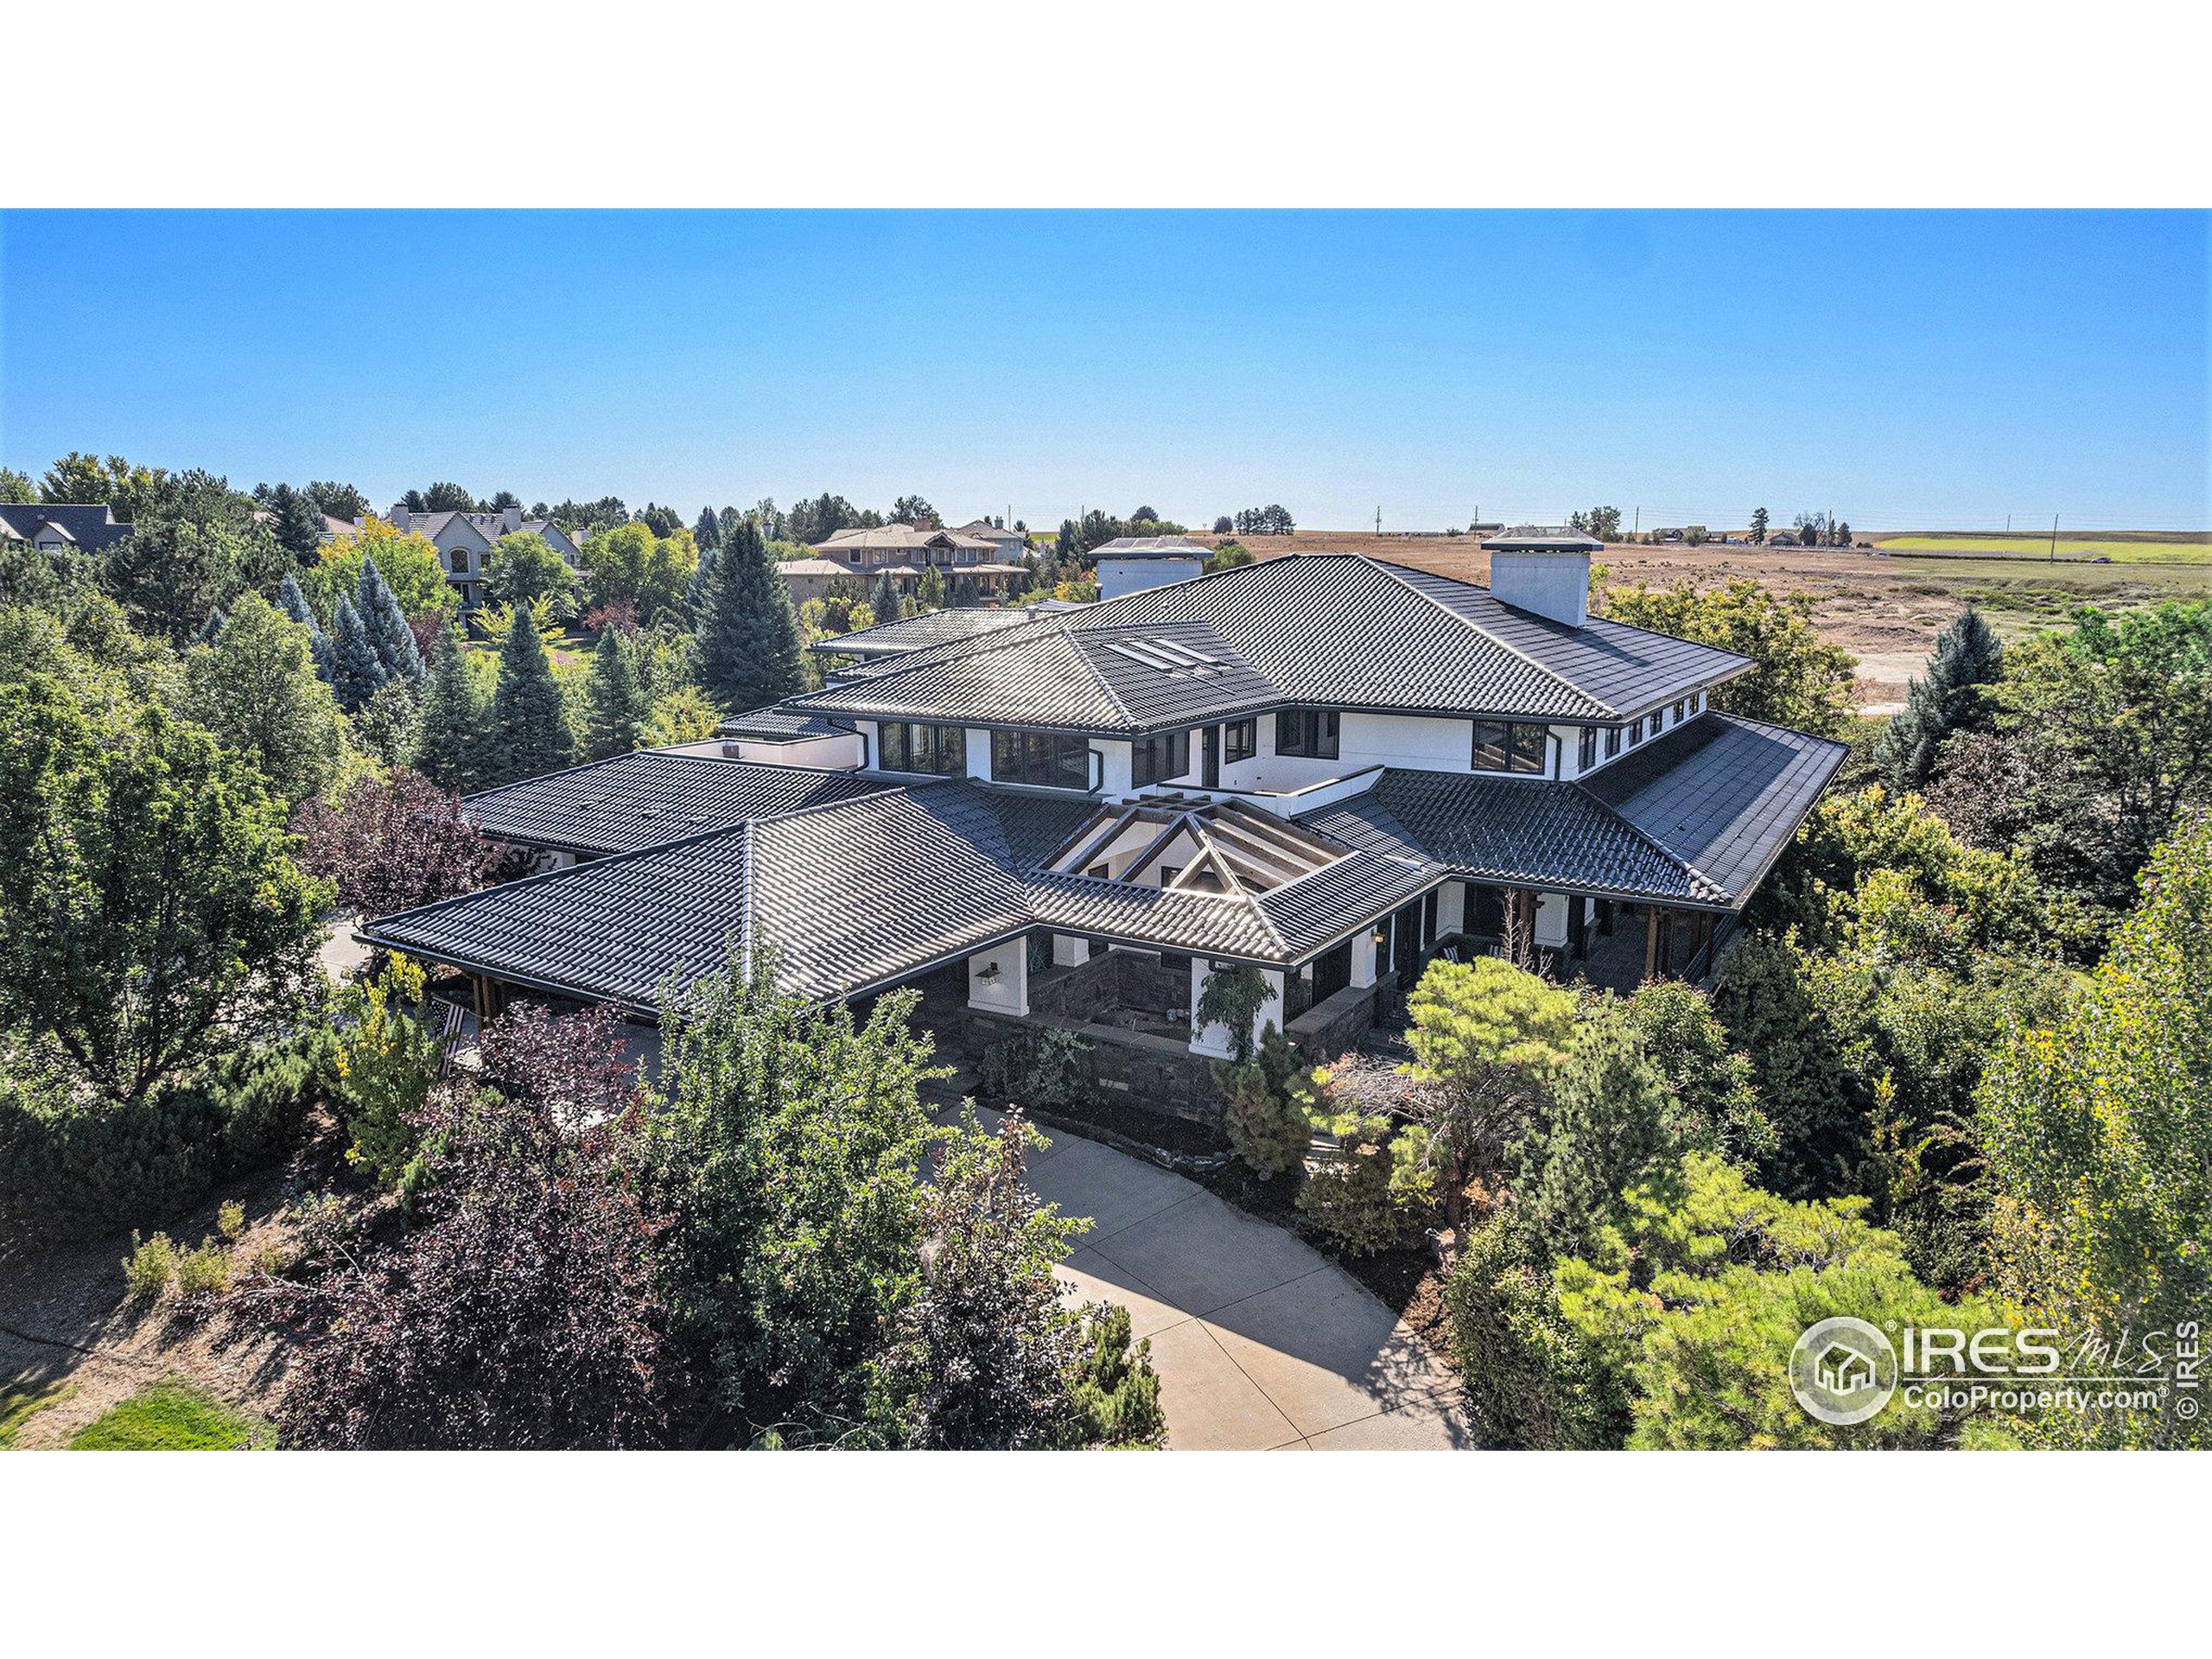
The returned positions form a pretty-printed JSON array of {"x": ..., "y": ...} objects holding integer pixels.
[
  {"x": 460, "y": 560},
  {"x": 1635, "y": 733},
  {"x": 1041, "y": 758},
  {"x": 903, "y": 746},
  {"x": 1613, "y": 741},
  {"x": 1309, "y": 732},
  {"x": 1155, "y": 760},
  {"x": 1697, "y": 702},
  {"x": 1588, "y": 757},
  {"x": 1679, "y": 707},
  {"x": 1509, "y": 746},
  {"x": 1240, "y": 741}
]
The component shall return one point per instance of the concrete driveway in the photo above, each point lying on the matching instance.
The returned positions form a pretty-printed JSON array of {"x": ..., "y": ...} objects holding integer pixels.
[{"x": 1260, "y": 1342}]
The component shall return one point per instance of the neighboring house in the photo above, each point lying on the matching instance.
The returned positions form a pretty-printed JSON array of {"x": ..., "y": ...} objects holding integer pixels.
[
  {"x": 1322, "y": 767},
  {"x": 905, "y": 552},
  {"x": 59, "y": 529},
  {"x": 1131, "y": 563},
  {"x": 818, "y": 578},
  {"x": 870, "y": 648},
  {"x": 464, "y": 543},
  {"x": 1007, "y": 545}
]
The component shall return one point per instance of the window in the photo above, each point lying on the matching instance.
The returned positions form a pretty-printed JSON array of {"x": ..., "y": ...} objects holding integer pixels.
[
  {"x": 1155, "y": 760},
  {"x": 1635, "y": 733},
  {"x": 1507, "y": 745},
  {"x": 1309, "y": 732},
  {"x": 1588, "y": 757},
  {"x": 1096, "y": 871},
  {"x": 1168, "y": 872},
  {"x": 1613, "y": 741},
  {"x": 1678, "y": 711},
  {"x": 902, "y": 745},
  {"x": 1044, "y": 759},
  {"x": 1240, "y": 741},
  {"x": 1697, "y": 701}
]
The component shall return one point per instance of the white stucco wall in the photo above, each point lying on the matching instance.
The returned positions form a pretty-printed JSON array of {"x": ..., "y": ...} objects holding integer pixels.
[
  {"x": 1551, "y": 918},
  {"x": 1451, "y": 908},
  {"x": 1214, "y": 1040},
  {"x": 1008, "y": 993},
  {"x": 1068, "y": 952},
  {"x": 1119, "y": 577}
]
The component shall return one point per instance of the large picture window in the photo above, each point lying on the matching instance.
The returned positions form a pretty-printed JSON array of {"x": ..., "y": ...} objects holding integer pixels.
[
  {"x": 1240, "y": 741},
  {"x": 1155, "y": 760},
  {"x": 1309, "y": 732},
  {"x": 1044, "y": 759},
  {"x": 1509, "y": 746},
  {"x": 903, "y": 746}
]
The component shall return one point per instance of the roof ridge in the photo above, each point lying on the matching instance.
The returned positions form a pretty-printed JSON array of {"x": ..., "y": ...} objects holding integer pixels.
[{"x": 1397, "y": 574}]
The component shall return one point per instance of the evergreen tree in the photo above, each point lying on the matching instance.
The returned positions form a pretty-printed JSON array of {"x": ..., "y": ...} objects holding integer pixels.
[
  {"x": 707, "y": 533},
  {"x": 748, "y": 638},
  {"x": 210, "y": 628},
  {"x": 449, "y": 743},
  {"x": 1967, "y": 657},
  {"x": 386, "y": 624},
  {"x": 930, "y": 595},
  {"x": 299, "y": 522},
  {"x": 529, "y": 727},
  {"x": 356, "y": 671},
  {"x": 294, "y": 603},
  {"x": 884, "y": 601},
  {"x": 1611, "y": 1124},
  {"x": 695, "y": 591},
  {"x": 616, "y": 697}
]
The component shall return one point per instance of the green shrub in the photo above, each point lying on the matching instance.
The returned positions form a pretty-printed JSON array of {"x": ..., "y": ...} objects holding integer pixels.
[
  {"x": 1117, "y": 1392},
  {"x": 149, "y": 1269},
  {"x": 71, "y": 1167},
  {"x": 1038, "y": 1065},
  {"x": 1356, "y": 1198},
  {"x": 204, "y": 1271},
  {"x": 230, "y": 1220},
  {"x": 1268, "y": 1105},
  {"x": 1536, "y": 1381}
]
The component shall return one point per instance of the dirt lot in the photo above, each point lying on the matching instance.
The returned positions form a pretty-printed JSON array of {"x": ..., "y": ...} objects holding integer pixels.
[{"x": 1885, "y": 610}]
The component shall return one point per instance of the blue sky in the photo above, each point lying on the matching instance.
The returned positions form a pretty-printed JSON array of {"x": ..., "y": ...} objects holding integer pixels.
[{"x": 1932, "y": 369}]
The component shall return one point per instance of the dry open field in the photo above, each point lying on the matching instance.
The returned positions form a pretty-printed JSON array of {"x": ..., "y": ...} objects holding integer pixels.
[{"x": 1885, "y": 609}]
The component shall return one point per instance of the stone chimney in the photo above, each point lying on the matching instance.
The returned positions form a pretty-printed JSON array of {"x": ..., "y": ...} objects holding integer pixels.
[{"x": 1546, "y": 572}]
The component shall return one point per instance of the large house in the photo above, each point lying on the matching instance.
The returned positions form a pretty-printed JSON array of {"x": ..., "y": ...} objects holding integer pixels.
[
  {"x": 1323, "y": 766},
  {"x": 60, "y": 530},
  {"x": 464, "y": 543},
  {"x": 906, "y": 551}
]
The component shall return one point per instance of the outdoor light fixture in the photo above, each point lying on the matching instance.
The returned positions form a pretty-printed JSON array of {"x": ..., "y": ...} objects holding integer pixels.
[{"x": 988, "y": 972}]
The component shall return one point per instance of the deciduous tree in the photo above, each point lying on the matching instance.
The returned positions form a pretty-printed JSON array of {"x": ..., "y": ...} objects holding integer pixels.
[
  {"x": 389, "y": 846},
  {"x": 1797, "y": 681},
  {"x": 255, "y": 687}
]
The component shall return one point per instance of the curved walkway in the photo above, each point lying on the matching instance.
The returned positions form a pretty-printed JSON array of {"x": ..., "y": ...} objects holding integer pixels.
[{"x": 1260, "y": 1341}]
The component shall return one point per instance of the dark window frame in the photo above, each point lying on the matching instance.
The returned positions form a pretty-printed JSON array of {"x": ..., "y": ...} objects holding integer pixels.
[
  {"x": 1240, "y": 741},
  {"x": 1146, "y": 758},
  {"x": 922, "y": 747},
  {"x": 1041, "y": 760},
  {"x": 1521, "y": 747},
  {"x": 1587, "y": 753},
  {"x": 1309, "y": 734}
]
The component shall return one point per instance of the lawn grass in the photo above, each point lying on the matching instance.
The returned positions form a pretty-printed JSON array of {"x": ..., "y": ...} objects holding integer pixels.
[
  {"x": 2119, "y": 550},
  {"x": 173, "y": 1416},
  {"x": 20, "y": 1402}
]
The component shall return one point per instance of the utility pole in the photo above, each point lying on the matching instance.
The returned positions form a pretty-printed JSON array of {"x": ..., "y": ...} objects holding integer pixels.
[
  {"x": 1378, "y": 519},
  {"x": 1638, "y": 529},
  {"x": 2054, "y": 538}
]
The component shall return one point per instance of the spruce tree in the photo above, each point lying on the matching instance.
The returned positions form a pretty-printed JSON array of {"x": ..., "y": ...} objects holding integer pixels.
[
  {"x": 695, "y": 591},
  {"x": 748, "y": 638},
  {"x": 210, "y": 628},
  {"x": 356, "y": 671},
  {"x": 293, "y": 604},
  {"x": 529, "y": 727},
  {"x": 884, "y": 601},
  {"x": 1967, "y": 657},
  {"x": 707, "y": 533},
  {"x": 449, "y": 744},
  {"x": 618, "y": 700},
  {"x": 386, "y": 624}
]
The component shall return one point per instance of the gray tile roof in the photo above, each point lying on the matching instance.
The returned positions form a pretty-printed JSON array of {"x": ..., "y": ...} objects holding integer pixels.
[
  {"x": 1151, "y": 547},
  {"x": 649, "y": 800},
  {"x": 1334, "y": 630},
  {"x": 920, "y": 632},
  {"x": 777, "y": 726},
  {"x": 89, "y": 528},
  {"x": 1696, "y": 816},
  {"x": 857, "y": 890}
]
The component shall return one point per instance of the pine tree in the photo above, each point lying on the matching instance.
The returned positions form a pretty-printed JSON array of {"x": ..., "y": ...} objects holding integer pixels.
[
  {"x": 356, "y": 671},
  {"x": 748, "y": 638},
  {"x": 695, "y": 591},
  {"x": 299, "y": 523},
  {"x": 294, "y": 603},
  {"x": 707, "y": 533},
  {"x": 884, "y": 601},
  {"x": 386, "y": 624},
  {"x": 529, "y": 727},
  {"x": 618, "y": 700},
  {"x": 450, "y": 741},
  {"x": 1967, "y": 657}
]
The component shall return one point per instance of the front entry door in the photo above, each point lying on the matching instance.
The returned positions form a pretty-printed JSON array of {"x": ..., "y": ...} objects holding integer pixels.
[{"x": 1212, "y": 772}]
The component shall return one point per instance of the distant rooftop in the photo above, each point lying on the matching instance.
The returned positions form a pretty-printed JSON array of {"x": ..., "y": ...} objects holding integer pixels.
[{"x": 1151, "y": 547}]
